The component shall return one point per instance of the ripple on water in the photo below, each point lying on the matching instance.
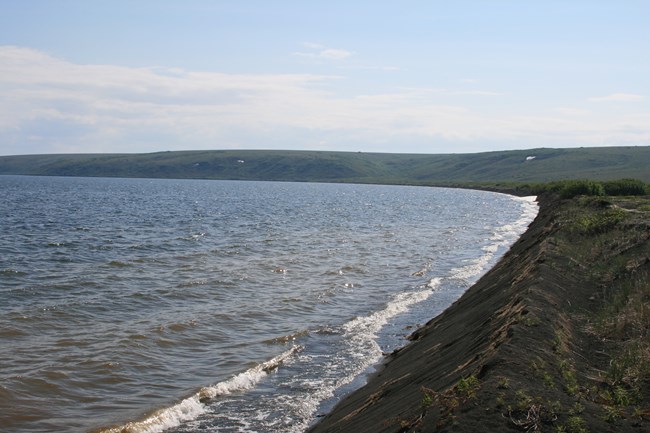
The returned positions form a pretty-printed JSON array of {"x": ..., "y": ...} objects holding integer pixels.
[
  {"x": 152, "y": 291},
  {"x": 119, "y": 264},
  {"x": 8, "y": 331},
  {"x": 13, "y": 273}
]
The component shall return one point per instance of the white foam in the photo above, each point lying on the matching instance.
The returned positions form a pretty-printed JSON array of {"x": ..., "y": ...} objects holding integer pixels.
[
  {"x": 360, "y": 352},
  {"x": 530, "y": 209},
  {"x": 360, "y": 334},
  {"x": 434, "y": 283},
  {"x": 246, "y": 380},
  {"x": 193, "y": 406},
  {"x": 367, "y": 327},
  {"x": 473, "y": 268},
  {"x": 502, "y": 236},
  {"x": 186, "y": 410}
]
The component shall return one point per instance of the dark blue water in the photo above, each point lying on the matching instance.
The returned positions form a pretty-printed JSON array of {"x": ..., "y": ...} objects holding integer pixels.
[{"x": 150, "y": 305}]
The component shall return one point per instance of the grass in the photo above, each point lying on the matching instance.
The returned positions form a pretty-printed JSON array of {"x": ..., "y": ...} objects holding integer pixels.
[
  {"x": 502, "y": 170},
  {"x": 599, "y": 222},
  {"x": 530, "y": 320},
  {"x": 504, "y": 383},
  {"x": 625, "y": 317},
  {"x": 569, "y": 378},
  {"x": 467, "y": 387},
  {"x": 617, "y": 230},
  {"x": 530, "y": 414},
  {"x": 605, "y": 240},
  {"x": 449, "y": 401},
  {"x": 576, "y": 424},
  {"x": 626, "y": 311}
]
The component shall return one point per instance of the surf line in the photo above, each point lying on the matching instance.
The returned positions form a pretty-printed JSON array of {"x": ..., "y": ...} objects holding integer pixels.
[{"x": 195, "y": 405}]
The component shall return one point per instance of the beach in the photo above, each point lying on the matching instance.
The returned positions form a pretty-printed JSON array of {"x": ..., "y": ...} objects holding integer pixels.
[{"x": 553, "y": 338}]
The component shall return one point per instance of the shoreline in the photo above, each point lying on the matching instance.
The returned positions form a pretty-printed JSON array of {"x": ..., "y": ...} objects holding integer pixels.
[{"x": 519, "y": 351}]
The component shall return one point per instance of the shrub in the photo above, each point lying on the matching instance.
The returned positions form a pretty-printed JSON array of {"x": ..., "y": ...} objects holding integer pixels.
[
  {"x": 468, "y": 386},
  {"x": 600, "y": 222},
  {"x": 625, "y": 187},
  {"x": 575, "y": 188}
]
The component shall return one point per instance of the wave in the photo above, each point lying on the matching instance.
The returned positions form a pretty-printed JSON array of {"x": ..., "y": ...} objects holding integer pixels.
[
  {"x": 359, "y": 352},
  {"x": 11, "y": 332},
  {"x": 118, "y": 264},
  {"x": 286, "y": 338},
  {"x": 361, "y": 333},
  {"x": 195, "y": 405},
  {"x": 13, "y": 273},
  {"x": 502, "y": 236},
  {"x": 366, "y": 327}
]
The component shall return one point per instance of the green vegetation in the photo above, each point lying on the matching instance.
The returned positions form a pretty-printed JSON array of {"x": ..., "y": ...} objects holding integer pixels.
[
  {"x": 503, "y": 170},
  {"x": 593, "y": 368},
  {"x": 573, "y": 188},
  {"x": 449, "y": 401},
  {"x": 468, "y": 386},
  {"x": 575, "y": 424},
  {"x": 608, "y": 235},
  {"x": 625, "y": 187},
  {"x": 504, "y": 383},
  {"x": 585, "y": 187}
]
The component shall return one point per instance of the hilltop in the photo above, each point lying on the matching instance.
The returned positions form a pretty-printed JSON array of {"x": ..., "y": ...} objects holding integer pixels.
[{"x": 516, "y": 166}]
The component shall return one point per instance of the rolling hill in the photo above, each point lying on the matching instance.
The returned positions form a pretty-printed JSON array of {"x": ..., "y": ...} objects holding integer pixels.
[{"x": 517, "y": 166}]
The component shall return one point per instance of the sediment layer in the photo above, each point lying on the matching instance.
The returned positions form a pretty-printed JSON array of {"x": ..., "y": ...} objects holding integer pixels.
[{"x": 534, "y": 345}]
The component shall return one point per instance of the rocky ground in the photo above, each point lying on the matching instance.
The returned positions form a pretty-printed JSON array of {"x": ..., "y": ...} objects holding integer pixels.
[{"x": 555, "y": 338}]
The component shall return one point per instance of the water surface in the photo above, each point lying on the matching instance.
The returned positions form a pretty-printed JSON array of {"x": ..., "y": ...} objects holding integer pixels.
[{"x": 220, "y": 306}]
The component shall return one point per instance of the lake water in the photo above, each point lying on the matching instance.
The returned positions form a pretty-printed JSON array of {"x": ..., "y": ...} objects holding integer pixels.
[{"x": 130, "y": 305}]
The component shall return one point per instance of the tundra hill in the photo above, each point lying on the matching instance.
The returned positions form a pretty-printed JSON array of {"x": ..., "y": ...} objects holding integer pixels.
[{"x": 517, "y": 166}]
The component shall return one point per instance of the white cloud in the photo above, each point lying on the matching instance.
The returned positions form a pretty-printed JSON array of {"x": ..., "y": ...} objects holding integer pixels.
[
  {"x": 451, "y": 92},
  {"x": 624, "y": 97},
  {"x": 474, "y": 92},
  {"x": 569, "y": 111},
  {"x": 358, "y": 67},
  {"x": 318, "y": 51},
  {"x": 331, "y": 53},
  {"x": 313, "y": 45},
  {"x": 69, "y": 107}
]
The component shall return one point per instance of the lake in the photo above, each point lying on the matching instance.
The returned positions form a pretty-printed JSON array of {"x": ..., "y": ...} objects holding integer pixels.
[{"x": 143, "y": 305}]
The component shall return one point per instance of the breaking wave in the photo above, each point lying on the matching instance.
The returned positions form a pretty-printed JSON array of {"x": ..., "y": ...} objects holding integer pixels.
[{"x": 195, "y": 405}]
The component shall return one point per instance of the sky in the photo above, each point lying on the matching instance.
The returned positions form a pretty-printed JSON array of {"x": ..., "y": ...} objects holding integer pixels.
[{"x": 409, "y": 76}]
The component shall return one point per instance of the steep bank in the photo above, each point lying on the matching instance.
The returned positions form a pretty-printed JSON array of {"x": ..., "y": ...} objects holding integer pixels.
[{"x": 554, "y": 338}]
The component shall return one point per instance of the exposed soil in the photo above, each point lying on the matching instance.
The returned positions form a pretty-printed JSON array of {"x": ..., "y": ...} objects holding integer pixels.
[{"x": 555, "y": 338}]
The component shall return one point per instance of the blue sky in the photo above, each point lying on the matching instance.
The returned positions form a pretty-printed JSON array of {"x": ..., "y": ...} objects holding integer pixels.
[{"x": 414, "y": 76}]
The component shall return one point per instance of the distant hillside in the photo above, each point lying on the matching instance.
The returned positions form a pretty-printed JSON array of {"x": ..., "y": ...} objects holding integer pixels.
[{"x": 537, "y": 165}]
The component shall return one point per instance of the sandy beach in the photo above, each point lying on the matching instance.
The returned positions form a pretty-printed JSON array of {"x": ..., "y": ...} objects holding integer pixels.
[{"x": 554, "y": 338}]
